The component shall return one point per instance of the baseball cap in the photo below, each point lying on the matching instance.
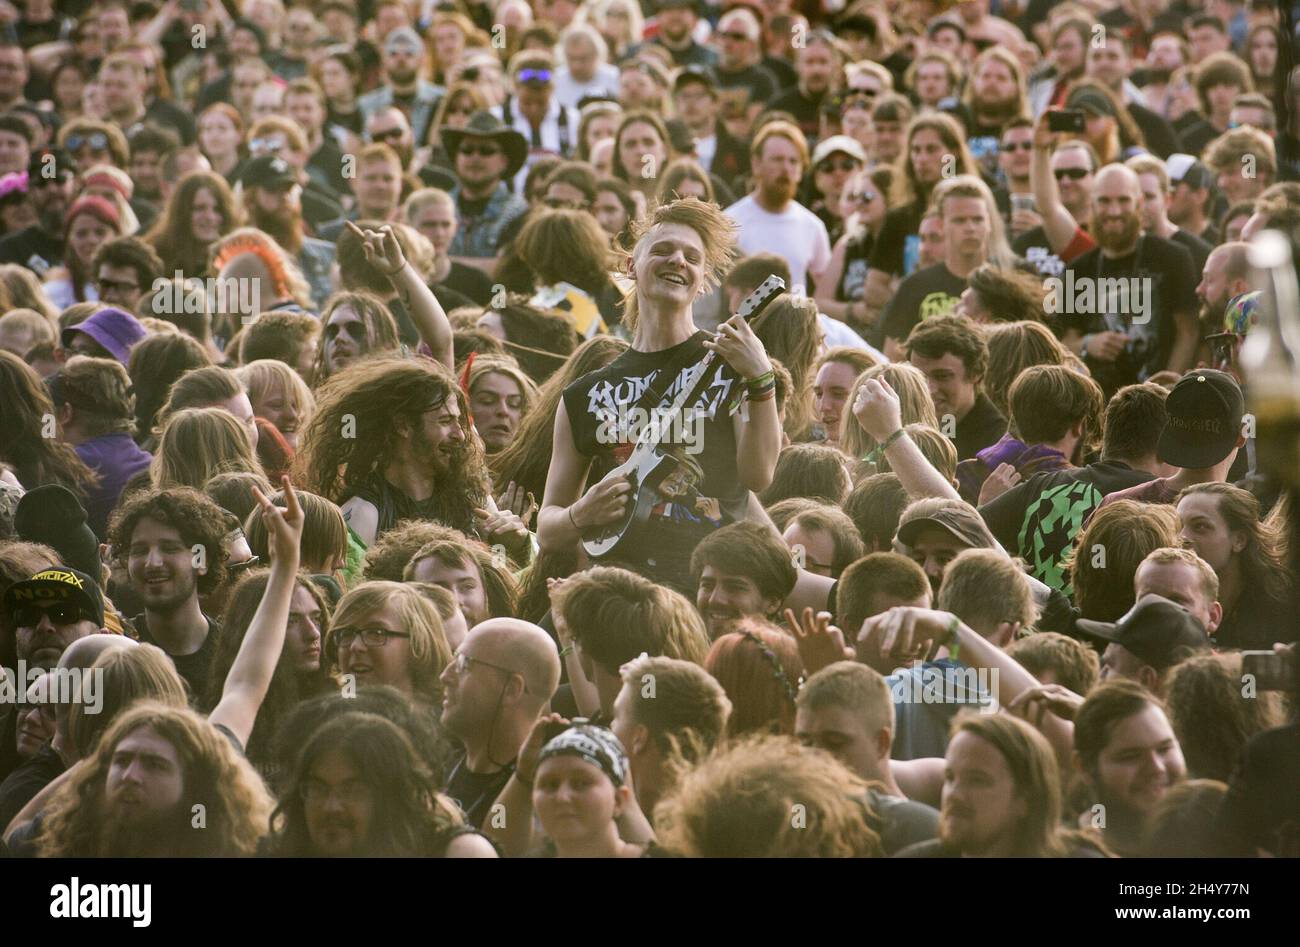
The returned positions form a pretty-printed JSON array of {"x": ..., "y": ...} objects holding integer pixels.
[
  {"x": 1185, "y": 169},
  {"x": 962, "y": 522},
  {"x": 52, "y": 514},
  {"x": 1204, "y": 420},
  {"x": 114, "y": 329},
  {"x": 269, "y": 171},
  {"x": 56, "y": 586},
  {"x": 696, "y": 75},
  {"x": 1155, "y": 630},
  {"x": 403, "y": 38},
  {"x": 838, "y": 143},
  {"x": 1091, "y": 100}
]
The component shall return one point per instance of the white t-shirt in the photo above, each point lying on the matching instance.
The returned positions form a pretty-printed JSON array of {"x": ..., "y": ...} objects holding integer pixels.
[
  {"x": 569, "y": 91},
  {"x": 796, "y": 234}
]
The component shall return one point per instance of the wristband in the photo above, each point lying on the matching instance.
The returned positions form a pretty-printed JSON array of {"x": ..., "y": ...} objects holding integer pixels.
[
  {"x": 767, "y": 394},
  {"x": 394, "y": 272},
  {"x": 756, "y": 385},
  {"x": 874, "y": 456},
  {"x": 573, "y": 521},
  {"x": 953, "y": 639}
]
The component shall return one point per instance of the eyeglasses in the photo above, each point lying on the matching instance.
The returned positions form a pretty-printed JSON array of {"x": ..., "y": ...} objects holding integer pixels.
[
  {"x": 265, "y": 144},
  {"x": 98, "y": 141},
  {"x": 29, "y": 616},
  {"x": 106, "y": 286},
  {"x": 843, "y": 164},
  {"x": 485, "y": 151},
  {"x": 534, "y": 75},
  {"x": 462, "y": 662},
  {"x": 1074, "y": 174},
  {"x": 868, "y": 92},
  {"x": 394, "y": 134},
  {"x": 350, "y": 792},
  {"x": 334, "y": 329},
  {"x": 1018, "y": 146},
  {"x": 370, "y": 637}
]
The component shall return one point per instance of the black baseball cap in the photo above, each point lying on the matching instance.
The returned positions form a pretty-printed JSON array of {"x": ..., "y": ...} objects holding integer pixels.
[
  {"x": 1159, "y": 632},
  {"x": 269, "y": 171},
  {"x": 57, "y": 586},
  {"x": 1186, "y": 169},
  {"x": 1204, "y": 420}
]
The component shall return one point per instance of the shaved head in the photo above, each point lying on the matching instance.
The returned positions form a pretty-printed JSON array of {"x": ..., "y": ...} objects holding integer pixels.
[
  {"x": 522, "y": 646},
  {"x": 84, "y": 652},
  {"x": 1116, "y": 177}
]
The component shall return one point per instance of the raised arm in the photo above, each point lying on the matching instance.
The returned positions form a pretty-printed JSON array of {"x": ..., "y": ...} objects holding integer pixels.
[
  {"x": 250, "y": 674},
  {"x": 758, "y": 426},
  {"x": 384, "y": 252},
  {"x": 878, "y": 410},
  {"x": 1058, "y": 223}
]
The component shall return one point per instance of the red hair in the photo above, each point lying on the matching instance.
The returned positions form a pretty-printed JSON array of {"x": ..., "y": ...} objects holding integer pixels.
[{"x": 758, "y": 666}]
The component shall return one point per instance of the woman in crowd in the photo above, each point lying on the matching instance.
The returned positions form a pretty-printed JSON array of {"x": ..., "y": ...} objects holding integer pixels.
[
  {"x": 454, "y": 109},
  {"x": 500, "y": 395},
  {"x": 199, "y": 213},
  {"x": 758, "y": 666},
  {"x": 91, "y": 221},
  {"x": 615, "y": 209},
  {"x": 25, "y": 407},
  {"x": 278, "y": 395},
  {"x": 197, "y": 443},
  {"x": 221, "y": 136},
  {"x": 642, "y": 151},
  {"x": 864, "y": 201}
]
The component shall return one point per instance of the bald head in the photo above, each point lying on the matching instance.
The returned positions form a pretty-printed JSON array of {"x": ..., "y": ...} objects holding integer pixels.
[
  {"x": 1116, "y": 179},
  {"x": 84, "y": 652},
  {"x": 521, "y": 646}
]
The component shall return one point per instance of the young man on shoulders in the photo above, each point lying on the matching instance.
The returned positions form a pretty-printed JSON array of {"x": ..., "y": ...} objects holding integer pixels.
[{"x": 729, "y": 452}]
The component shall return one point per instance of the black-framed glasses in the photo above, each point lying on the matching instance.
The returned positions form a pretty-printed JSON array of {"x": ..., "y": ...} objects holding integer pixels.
[
  {"x": 370, "y": 637},
  {"x": 392, "y": 134},
  {"x": 1074, "y": 174},
  {"x": 1018, "y": 146},
  {"x": 29, "y": 616}
]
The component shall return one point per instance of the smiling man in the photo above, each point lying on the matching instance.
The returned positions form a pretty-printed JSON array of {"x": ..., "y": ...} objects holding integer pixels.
[
  {"x": 741, "y": 571},
  {"x": 170, "y": 546},
  {"x": 952, "y": 353},
  {"x": 679, "y": 254}
]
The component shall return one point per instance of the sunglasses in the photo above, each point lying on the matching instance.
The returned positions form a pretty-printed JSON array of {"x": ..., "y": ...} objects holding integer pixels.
[
  {"x": 353, "y": 330},
  {"x": 29, "y": 616},
  {"x": 1018, "y": 146},
  {"x": 238, "y": 567},
  {"x": 97, "y": 141},
  {"x": 484, "y": 151},
  {"x": 392, "y": 134},
  {"x": 841, "y": 164},
  {"x": 534, "y": 75},
  {"x": 265, "y": 144},
  {"x": 1074, "y": 174}
]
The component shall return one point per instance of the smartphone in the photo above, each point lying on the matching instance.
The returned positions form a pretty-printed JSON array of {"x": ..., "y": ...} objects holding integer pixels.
[
  {"x": 1271, "y": 670},
  {"x": 1022, "y": 202},
  {"x": 1070, "y": 121}
]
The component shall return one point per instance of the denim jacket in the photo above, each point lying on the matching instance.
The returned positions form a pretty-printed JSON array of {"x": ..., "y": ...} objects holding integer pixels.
[{"x": 481, "y": 236}]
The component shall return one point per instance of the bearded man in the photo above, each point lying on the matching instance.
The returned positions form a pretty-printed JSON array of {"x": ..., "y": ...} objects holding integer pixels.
[
  {"x": 769, "y": 219},
  {"x": 1128, "y": 306}
]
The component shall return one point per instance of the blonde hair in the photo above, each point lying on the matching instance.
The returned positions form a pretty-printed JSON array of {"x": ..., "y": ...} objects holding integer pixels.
[
  {"x": 198, "y": 443},
  {"x": 267, "y": 376},
  {"x": 970, "y": 186},
  {"x": 430, "y": 653}
]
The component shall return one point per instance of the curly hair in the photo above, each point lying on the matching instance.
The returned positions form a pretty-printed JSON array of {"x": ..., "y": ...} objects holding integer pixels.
[
  {"x": 409, "y": 815},
  {"x": 235, "y": 803},
  {"x": 740, "y": 803},
  {"x": 199, "y": 521},
  {"x": 381, "y": 328},
  {"x": 357, "y": 412},
  {"x": 390, "y": 554},
  {"x": 1210, "y": 717},
  {"x": 1127, "y": 531}
]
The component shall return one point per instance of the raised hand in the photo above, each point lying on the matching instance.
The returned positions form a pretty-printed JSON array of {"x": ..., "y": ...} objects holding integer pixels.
[
  {"x": 820, "y": 643},
  {"x": 503, "y": 527},
  {"x": 878, "y": 409},
  {"x": 999, "y": 482},
  {"x": 283, "y": 526},
  {"x": 736, "y": 343},
  {"x": 1031, "y": 704},
  {"x": 529, "y": 754},
  {"x": 382, "y": 249},
  {"x": 518, "y": 501}
]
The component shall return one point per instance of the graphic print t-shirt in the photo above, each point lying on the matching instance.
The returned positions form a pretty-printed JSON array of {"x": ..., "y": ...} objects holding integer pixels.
[
  {"x": 601, "y": 407},
  {"x": 927, "y": 293}
]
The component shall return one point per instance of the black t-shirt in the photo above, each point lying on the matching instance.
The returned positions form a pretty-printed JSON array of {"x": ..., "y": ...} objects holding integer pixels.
[
  {"x": 469, "y": 282},
  {"x": 1155, "y": 282},
  {"x": 807, "y": 111},
  {"x": 933, "y": 291},
  {"x": 193, "y": 668},
  {"x": 32, "y": 248},
  {"x": 1034, "y": 247},
  {"x": 853, "y": 280},
  {"x": 475, "y": 793},
  {"x": 29, "y": 778},
  {"x": 752, "y": 84},
  {"x": 982, "y": 427},
  {"x": 1197, "y": 247},
  {"x": 1160, "y": 137},
  {"x": 601, "y": 407},
  {"x": 901, "y": 822},
  {"x": 898, "y": 248},
  {"x": 1255, "y": 623},
  {"x": 1038, "y": 519}
]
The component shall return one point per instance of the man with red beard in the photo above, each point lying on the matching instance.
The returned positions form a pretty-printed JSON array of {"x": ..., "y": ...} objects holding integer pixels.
[
  {"x": 1128, "y": 306},
  {"x": 273, "y": 200},
  {"x": 769, "y": 218}
]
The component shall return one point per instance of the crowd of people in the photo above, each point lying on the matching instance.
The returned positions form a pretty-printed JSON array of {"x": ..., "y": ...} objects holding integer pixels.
[{"x": 625, "y": 428}]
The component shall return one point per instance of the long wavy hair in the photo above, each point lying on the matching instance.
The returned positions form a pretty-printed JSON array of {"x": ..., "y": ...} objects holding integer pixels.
[
  {"x": 381, "y": 328},
  {"x": 527, "y": 459},
  {"x": 1263, "y": 561},
  {"x": 172, "y": 236},
  {"x": 907, "y": 187},
  {"x": 788, "y": 329},
  {"x": 350, "y": 439},
  {"x": 156, "y": 363},
  {"x": 199, "y": 443},
  {"x": 235, "y": 803},
  {"x": 409, "y": 814},
  {"x": 27, "y": 441},
  {"x": 289, "y": 686}
]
